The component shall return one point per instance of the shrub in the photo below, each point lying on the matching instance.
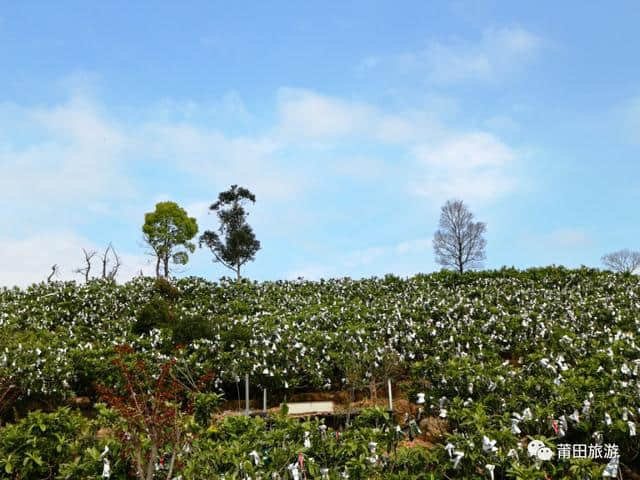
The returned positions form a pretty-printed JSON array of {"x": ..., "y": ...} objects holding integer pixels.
[
  {"x": 204, "y": 405},
  {"x": 166, "y": 290},
  {"x": 35, "y": 446},
  {"x": 190, "y": 328},
  {"x": 155, "y": 313}
]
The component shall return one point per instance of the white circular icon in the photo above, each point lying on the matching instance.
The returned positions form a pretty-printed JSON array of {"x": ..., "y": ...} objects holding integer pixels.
[
  {"x": 544, "y": 453},
  {"x": 533, "y": 447}
]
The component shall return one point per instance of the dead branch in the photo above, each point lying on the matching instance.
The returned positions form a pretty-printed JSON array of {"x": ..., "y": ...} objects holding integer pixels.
[
  {"x": 54, "y": 272},
  {"x": 88, "y": 256}
]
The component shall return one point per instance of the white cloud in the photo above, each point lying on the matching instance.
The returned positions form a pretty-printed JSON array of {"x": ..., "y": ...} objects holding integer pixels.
[
  {"x": 29, "y": 259},
  {"x": 222, "y": 160},
  {"x": 307, "y": 114},
  {"x": 81, "y": 123},
  {"x": 475, "y": 166},
  {"x": 75, "y": 155},
  {"x": 497, "y": 53},
  {"x": 467, "y": 151}
]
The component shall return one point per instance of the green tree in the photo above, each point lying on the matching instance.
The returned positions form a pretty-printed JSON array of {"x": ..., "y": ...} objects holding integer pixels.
[
  {"x": 235, "y": 243},
  {"x": 167, "y": 229}
]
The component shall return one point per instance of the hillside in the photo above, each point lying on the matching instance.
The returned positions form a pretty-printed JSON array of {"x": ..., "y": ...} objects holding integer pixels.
[{"x": 547, "y": 353}]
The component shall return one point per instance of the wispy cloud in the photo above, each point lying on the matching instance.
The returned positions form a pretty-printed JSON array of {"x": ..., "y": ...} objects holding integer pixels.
[{"x": 497, "y": 53}]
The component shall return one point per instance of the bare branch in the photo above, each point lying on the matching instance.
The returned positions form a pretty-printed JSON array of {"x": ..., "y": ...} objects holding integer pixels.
[
  {"x": 110, "y": 257},
  {"x": 459, "y": 242},
  {"x": 117, "y": 263},
  {"x": 105, "y": 260},
  {"x": 88, "y": 256},
  {"x": 54, "y": 272},
  {"x": 624, "y": 261}
]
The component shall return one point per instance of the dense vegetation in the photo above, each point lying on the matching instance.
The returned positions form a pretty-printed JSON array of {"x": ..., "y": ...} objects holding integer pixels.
[{"x": 550, "y": 354}]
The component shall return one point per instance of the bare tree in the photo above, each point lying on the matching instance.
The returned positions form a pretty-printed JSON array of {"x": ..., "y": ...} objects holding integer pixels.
[
  {"x": 459, "y": 242},
  {"x": 88, "y": 256},
  {"x": 54, "y": 272},
  {"x": 106, "y": 260},
  {"x": 116, "y": 264},
  {"x": 624, "y": 261}
]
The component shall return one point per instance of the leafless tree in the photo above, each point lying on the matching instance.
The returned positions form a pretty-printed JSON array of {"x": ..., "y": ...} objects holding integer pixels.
[
  {"x": 459, "y": 242},
  {"x": 88, "y": 256},
  {"x": 107, "y": 259},
  {"x": 625, "y": 261},
  {"x": 54, "y": 272}
]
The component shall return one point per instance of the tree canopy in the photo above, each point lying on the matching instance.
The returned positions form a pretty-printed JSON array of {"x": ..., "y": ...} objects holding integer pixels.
[
  {"x": 167, "y": 229},
  {"x": 234, "y": 244}
]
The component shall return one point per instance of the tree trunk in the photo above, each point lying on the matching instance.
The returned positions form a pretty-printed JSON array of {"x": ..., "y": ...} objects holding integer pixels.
[
  {"x": 238, "y": 273},
  {"x": 151, "y": 461},
  {"x": 166, "y": 266},
  {"x": 158, "y": 267}
]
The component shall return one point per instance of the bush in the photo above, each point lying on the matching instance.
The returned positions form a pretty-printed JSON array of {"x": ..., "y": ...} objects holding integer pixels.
[
  {"x": 188, "y": 329},
  {"x": 166, "y": 290},
  {"x": 90, "y": 366},
  {"x": 36, "y": 446},
  {"x": 156, "y": 313},
  {"x": 204, "y": 405}
]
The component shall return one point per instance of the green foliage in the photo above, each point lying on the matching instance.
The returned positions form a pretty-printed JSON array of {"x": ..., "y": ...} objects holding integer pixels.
[
  {"x": 492, "y": 343},
  {"x": 155, "y": 313},
  {"x": 235, "y": 243},
  {"x": 90, "y": 366},
  {"x": 204, "y": 405},
  {"x": 165, "y": 230},
  {"x": 189, "y": 328},
  {"x": 35, "y": 447},
  {"x": 166, "y": 289}
]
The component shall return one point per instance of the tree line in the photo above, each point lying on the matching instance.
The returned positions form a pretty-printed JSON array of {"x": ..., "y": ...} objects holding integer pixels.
[{"x": 169, "y": 234}]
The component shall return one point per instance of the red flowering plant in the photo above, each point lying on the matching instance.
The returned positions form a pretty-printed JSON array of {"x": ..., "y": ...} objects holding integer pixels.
[{"x": 153, "y": 405}]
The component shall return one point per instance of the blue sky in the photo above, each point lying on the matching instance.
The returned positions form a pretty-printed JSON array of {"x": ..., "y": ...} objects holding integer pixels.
[{"x": 352, "y": 122}]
